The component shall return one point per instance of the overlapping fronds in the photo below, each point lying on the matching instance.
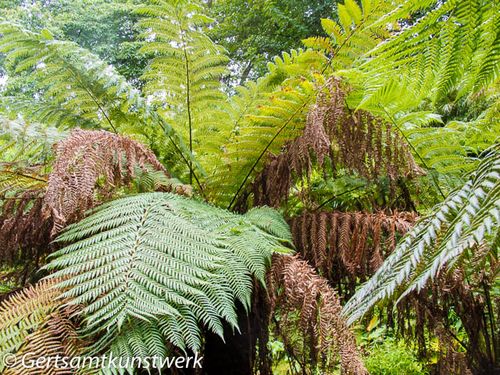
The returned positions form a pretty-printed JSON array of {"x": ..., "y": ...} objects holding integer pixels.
[
  {"x": 455, "y": 147},
  {"x": 297, "y": 287},
  {"x": 435, "y": 70},
  {"x": 462, "y": 38},
  {"x": 77, "y": 89},
  {"x": 161, "y": 257},
  {"x": 358, "y": 142},
  {"x": 183, "y": 76},
  {"x": 71, "y": 78},
  {"x": 57, "y": 338},
  {"x": 24, "y": 229},
  {"x": 23, "y": 313},
  {"x": 89, "y": 166},
  {"x": 468, "y": 217},
  {"x": 354, "y": 34},
  {"x": 264, "y": 129},
  {"x": 356, "y": 241},
  {"x": 35, "y": 323}
]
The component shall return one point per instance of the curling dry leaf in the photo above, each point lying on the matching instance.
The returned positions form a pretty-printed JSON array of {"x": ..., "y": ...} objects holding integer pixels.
[{"x": 89, "y": 166}]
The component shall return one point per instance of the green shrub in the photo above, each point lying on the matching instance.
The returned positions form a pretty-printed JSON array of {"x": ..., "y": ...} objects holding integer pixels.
[{"x": 392, "y": 358}]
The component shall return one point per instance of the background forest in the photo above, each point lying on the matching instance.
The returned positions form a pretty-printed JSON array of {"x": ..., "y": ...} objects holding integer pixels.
[{"x": 283, "y": 186}]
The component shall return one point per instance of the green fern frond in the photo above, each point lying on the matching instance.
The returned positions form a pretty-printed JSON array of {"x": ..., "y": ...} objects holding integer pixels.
[
  {"x": 354, "y": 34},
  {"x": 263, "y": 131},
  {"x": 185, "y": 69},
  {"x": 70, "y": 76},
  {"x": 468, "y": 217},
  {"x": 162, "y": 256},
  {"x": 78, "y": 88},
  {"x": 459, "y": 40}
]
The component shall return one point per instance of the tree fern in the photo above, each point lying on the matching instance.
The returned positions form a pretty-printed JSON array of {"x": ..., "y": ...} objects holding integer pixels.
[
  {"x": 459, "y": 40},
  {"x": 265, "y": 130},
  {"x": 79, "y": 89},
  {"x": 88, "y": 166},
  {"x": 183, "y": 76},
  {"x": 69, "y": 75},
  {"x": 468, "y": 217},
  {"x": 249, "y": 114},
  {"x": 160, "y": 256}
]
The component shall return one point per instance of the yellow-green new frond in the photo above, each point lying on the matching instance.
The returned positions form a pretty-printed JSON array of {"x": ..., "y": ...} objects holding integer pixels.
[
  {"x": 184, "y": 73},
  {"x": 278, "y": 117}
]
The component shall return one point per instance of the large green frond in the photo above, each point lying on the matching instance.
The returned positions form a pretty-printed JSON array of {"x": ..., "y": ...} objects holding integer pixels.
[
  {"x": 184, "y": 73},
  {"x": 161, "y": 256},
  {"x": 79, "y": 89},
  {"x": 467, "y": 218}
]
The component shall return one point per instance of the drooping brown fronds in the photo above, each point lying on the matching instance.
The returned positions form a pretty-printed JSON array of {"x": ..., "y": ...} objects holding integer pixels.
[
  {"x": 429, "y": 311},
  {"x": 356, "y": 141},
  {"x": 24, "y": 229},
  {"x": 351, "y": 243},
  {"x": 296, "y": 287},
  {"x": 89, "y": 166}
]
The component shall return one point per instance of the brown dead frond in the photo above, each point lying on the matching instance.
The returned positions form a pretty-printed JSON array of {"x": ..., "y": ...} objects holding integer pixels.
[
  {"x": 356, "y": 141},
  {"x": 89, "y": 165},
  {"x": 297, "y": 288},
  {"x": 358, "y": 242},
  {"x": 24, "y": 229}
]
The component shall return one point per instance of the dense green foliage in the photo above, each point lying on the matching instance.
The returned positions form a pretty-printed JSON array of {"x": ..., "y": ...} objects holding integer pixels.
[
  {"x": 351, "y": 119},
  {"x": 199, "y": 261}
]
